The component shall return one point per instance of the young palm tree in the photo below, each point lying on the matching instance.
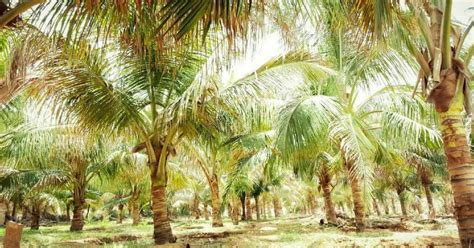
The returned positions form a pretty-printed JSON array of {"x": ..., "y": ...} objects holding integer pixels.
[
  {"x": 132, "y": 170},
  {"x": 74, "y": 168},
  {"x": 305, "y": 122},
  {"x": 19, "y": 187},
  {"x": 33, "y": 144},
  {"x": 323, "y": 168},
  {"x": 420, "y": 142},
  {"x": 329, "y": 101},
  {"x": 402, "y": 179},
  {"x": 429, "y": 166}
]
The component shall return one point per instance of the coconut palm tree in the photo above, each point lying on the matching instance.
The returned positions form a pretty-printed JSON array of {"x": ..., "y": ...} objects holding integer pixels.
[
  {"x": 429, "y": 166},
  {"x": 402, "y": 179},
  {"x": 79, "y": 163},
  {"x": 323, "y": 168},
  {"x": 437, "y": 44},
  {"x": 19, "y": 187},
  {"x": 33, "y": 144},
  {"x": 132, "y": 170},
  {"x": 136, "y": 97},
  {"x": 305, "y": 122},
  {"x": 212, "y": 159},
  {"x": 37, "y": 203}
]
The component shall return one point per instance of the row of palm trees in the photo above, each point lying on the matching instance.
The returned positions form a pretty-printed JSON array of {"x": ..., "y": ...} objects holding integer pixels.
[{"x": 150, "y": 73}]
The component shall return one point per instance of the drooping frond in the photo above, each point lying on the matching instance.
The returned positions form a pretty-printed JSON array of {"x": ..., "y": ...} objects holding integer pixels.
[
  {"x": 356, "y": 143},
  {"x": 303, "y": 124}
]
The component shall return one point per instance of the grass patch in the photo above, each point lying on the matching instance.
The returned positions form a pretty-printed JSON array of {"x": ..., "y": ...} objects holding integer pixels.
[
  {"x": 289, "y": 237},
  {"x": 281, "y": 234},
  {"x": 131, "y": 244},
  {"x": 59, "y": 233},
  {"x": 371, "y": 234}
]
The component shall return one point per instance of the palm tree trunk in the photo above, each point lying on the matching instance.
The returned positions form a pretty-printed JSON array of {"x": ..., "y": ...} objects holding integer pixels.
[
  {"x": 77, "y": 222},
  {"x": 35, "y": 217},
  {"x": 394, "y": 207},
  {"x": 215, "y": 202},
  {"x": 234, "y": 211},
  {"x": 376, "y": 207},
  {"x": 312, "y": 202},
  {"x": 460, "y": 168},
  {"x": 276, "y": 206},
  {"x": 162, "y": 232},
  {"x": 325, "y": 180},
  {"x": 196, "y": 212},
  {"x": 134, "y": 206},
  {"x": 403, "y": 204},
  {"x": 135, "y": 214},
  {"x": 68, "y": 209},
  {"x": 242, "y": 202},
  {"x": 257, "y": 207},
  {"x": 24, "y": 214},
  {"x": 386, "y": 208},
  {"x": 88, "y": 210},
  {"x": 418, "y": 206},
  {"x": 206, "y": 211},
  {"x": 264, "y": 208},
  {"x": 357, "y": 198},
  {"x": 248, "y": 206},
  {"x": 429, "y": 200},
  {"x": 14, "y": 210},
  {"x": 359, "y": 211},
  {"x": 120, "y": 213},
  {"x": 162, "y": 228}
]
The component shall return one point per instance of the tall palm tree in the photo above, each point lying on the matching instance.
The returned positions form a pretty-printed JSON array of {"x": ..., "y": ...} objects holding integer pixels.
[
  {"x": 136, "y": 97},
  {"x": 428, "y": 32}
]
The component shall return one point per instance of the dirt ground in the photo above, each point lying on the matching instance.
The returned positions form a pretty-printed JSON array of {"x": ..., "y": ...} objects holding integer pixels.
[
  {"x": 307, "y": 232},
  {"x": 283, "y": 232}
]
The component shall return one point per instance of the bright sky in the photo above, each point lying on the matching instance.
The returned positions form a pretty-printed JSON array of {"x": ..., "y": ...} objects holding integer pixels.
[
  {"x": 461, "y": 12},
  {"x": 272, "y": 47}
]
